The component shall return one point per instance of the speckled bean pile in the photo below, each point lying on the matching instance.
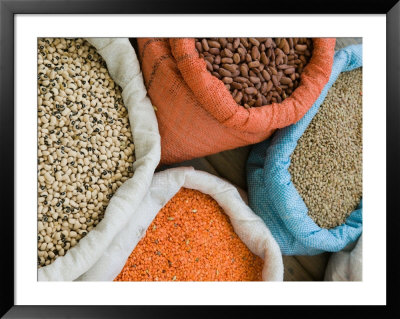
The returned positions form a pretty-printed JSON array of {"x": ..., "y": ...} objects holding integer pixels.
[
  {"x": 191, "y": 239},
  {"x": 85, "y": 146},
  {"x": 326, "y": 166}
]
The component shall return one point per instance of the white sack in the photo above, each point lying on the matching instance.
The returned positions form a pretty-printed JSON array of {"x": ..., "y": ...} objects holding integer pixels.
[
  {"x": 249, "y": 227},
  {"x": 124, "y": 69},
  {"x": 346, "y": 265}
]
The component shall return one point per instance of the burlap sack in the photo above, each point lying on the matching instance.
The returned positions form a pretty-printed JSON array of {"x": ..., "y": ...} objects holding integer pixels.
[{"x": 197, "y": 115}]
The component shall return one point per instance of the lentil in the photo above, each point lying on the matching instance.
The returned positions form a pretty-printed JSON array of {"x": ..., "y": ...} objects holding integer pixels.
[
  {"x": 191, "y": 239},
  {"x": 81, "y": 86},
  {"x": 326, "y": 166}
]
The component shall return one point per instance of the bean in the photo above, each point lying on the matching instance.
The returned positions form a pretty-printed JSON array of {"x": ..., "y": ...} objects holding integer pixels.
[
  {"x": 254, "y": 42},
  {"x": 70, "y": 134},
  {"x": 227, "y": 60},
  {"x": 263, "y": 64},
  {"x": 204, "y": 43},
  {"x": 214, "y": 44},
  {"x": 227, "y": 80},
  {"x": 250, "y": 90},
  {"x": 209, "y": 65},
  {"x": 236, "y": 85},
  {"x": 225, "y": 73},
  {"x": 254, "y": 64},
  {"x": 214, "y": 51},
  {"x": 240, "y": 79},
  {"x": 255, "y": 53},
  {"x": 228, "y": 53},
  {"x": 244, "y": 70},
  {"x": 285, "y": 80},
  {"x": 301, "y": 47},
  {"x": 222, "y": 41},
  {"x": 255, "y": 79},
  {"x": 230, "y": 67},
  {"x": 244, "y": 42},
  {"x": 238, "y": 97},
  {"x": 199, "y": 47}
]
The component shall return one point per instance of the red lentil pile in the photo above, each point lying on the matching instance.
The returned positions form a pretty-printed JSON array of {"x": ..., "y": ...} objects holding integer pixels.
[{"x": 191, "y": 239}]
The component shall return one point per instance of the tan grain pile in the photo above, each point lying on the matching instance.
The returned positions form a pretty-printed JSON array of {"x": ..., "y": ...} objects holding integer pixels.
[{"x": 326, "y": 166}]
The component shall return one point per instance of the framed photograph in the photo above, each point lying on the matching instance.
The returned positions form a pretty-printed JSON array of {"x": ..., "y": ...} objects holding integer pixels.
[{"x": 164, "y": 154}]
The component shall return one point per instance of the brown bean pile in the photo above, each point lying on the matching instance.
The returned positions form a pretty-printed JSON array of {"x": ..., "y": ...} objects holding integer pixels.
[
  {"x": 85, "y": 145},
  {"x": 326, "y": 165},
  {"x": 256, "y": 71}
]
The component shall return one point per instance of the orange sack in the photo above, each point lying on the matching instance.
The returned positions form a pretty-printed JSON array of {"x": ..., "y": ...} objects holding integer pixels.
[{"x": 197, "y": 115}]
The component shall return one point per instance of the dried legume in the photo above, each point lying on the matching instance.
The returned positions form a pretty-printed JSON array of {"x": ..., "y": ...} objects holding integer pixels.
[
  {"x": 256, "y": 71},
  {"x": 326, "y": 166},
  {"x": 191, "y": 239},
  {"x": 85, "y": 146}
]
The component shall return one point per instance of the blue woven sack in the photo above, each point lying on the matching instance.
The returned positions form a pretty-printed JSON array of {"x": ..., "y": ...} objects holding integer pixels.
[{"x": 272, "y": 194}]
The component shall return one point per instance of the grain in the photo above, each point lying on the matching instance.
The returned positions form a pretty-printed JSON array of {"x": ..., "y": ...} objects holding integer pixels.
[
  {"x": 85, "y": 146},
  {"x": 326, "y": 166},
  {"x": 191, "y": 239}
]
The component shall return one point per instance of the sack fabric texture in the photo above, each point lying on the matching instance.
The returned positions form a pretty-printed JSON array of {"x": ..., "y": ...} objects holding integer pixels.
[
  {"x": 247, "y": 225},
  {"x": 124, "y": 69},
  {"x": 275, "y": 199},
  {"x": 197, "y": 115},
  {"x": 345, "y": 265}
]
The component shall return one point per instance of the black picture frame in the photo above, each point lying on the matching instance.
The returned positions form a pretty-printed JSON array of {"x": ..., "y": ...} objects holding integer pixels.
[{"x": 8, "y": 10}]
